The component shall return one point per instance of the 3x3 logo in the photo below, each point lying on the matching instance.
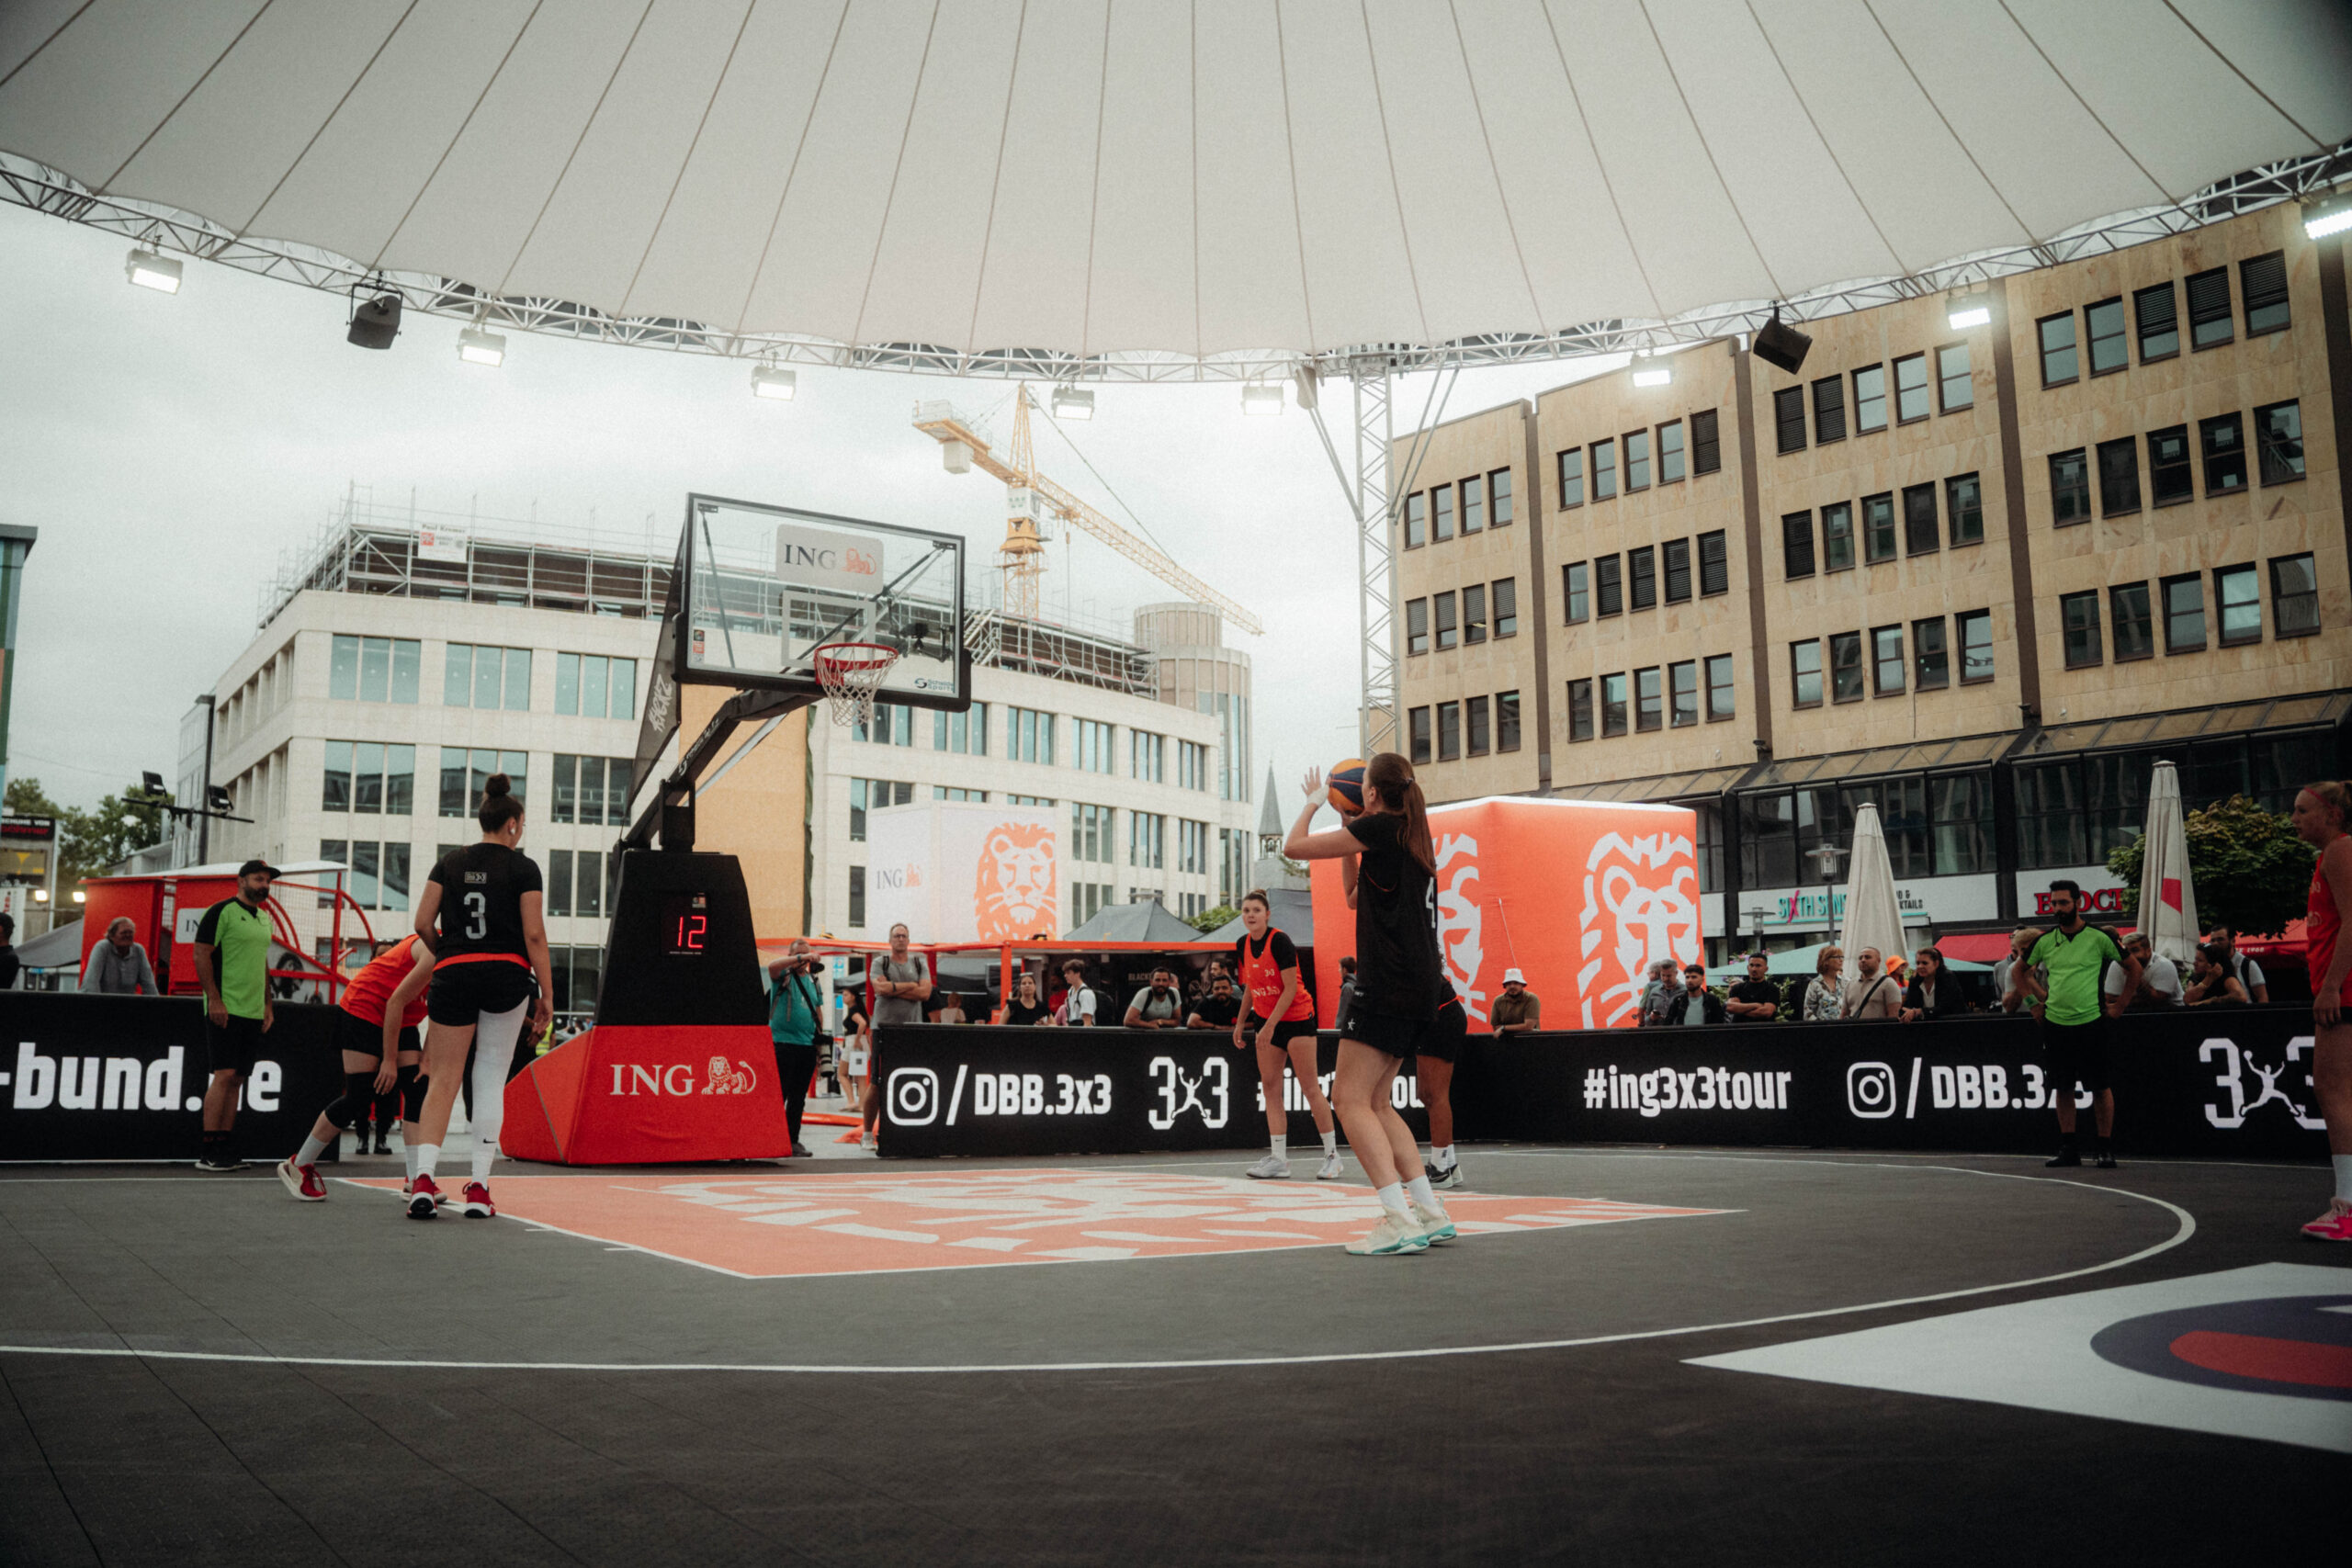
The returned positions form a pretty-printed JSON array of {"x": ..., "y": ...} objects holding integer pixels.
[{"x": 2237, "y": 1064}]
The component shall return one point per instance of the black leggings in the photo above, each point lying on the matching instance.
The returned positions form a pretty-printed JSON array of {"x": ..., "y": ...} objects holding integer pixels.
[
  {"x": 795, "y": 1066},
  {"x": 360, "y": 1092}
]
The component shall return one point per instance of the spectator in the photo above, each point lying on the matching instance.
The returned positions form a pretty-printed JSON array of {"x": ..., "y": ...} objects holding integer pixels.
[
  {"x": 232, "y": 963},
  {"x": 795, "y": 1008},
  {"x": 901, "y": 984},
  {"x": 851, "y": 1053},
  {"x": 1026, "y": 1007},
  {"x": 1825, "y": 994},
  {"x": 2211, "y": 980},
  {"x": 118, "y": 966},
  {"x": 1347, "y": 985},
  {"x": 2015, "y": 985},
  {"x": 950, "y": 1009},
  {"x": 1157, "y": 1005},
  {"x": 2241, "y": 968},
  {"x": 1517, "y": 1010},
  {"x": 1932, "y": 994},
  {"x": 1754, "y": 999},
  {"x": 1079, "y": 1005},
  {"x": 10, "y": 964},
  {"x": 2159, "y": 981},
  {"x": 1694, "y": 997},
  {"x": 1219, "y": 1010},
  {"x": 1872, "y": 993},
  {"x": 1658, "y": 993}
]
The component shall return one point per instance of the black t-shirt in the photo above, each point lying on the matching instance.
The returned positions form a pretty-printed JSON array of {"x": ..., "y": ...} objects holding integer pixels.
[
  {"x": 1755, "y": 991},
  {"x": 482, "y": 900},
  {"x": 1397, "y": 962},
  {"x": 1019, "y": 1011},
  {"x": 1223, "y": 1013}
]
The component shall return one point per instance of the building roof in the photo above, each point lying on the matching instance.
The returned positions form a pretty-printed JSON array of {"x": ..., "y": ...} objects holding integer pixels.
[
  {"x": 1144, "y": 920},
  {"x": 1291, "y": 910}
]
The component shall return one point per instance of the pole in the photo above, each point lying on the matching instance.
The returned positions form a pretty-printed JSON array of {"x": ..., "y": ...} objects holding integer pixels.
[
  {"x": 16, "y": 544},
  {"x": 204, "y": 787}
]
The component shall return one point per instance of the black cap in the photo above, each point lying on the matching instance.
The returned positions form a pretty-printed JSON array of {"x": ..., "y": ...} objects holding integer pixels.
[{"x": 262, "y": 867}]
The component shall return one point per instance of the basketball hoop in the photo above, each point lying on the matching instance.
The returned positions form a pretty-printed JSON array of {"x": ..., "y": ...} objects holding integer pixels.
[{"x": 852, "y": 672}]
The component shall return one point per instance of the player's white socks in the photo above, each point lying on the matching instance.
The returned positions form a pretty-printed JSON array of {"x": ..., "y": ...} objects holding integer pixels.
[
  {"x": 314, "y": 1146},
  {"x": 1331, "y": 1142},
  {"x": 485, "y": 1151},
  {"x": 1282, "y": 1146},
  {"x": 1423, "y": 1193},
  {"x": 423, "y": 1158},
  {"x": 2343, "y": 1164},
  {"x": 1442, "y": 1158},
  {"x": 408, "y": 1156},
  {"x": 1392, "y": 1198}
]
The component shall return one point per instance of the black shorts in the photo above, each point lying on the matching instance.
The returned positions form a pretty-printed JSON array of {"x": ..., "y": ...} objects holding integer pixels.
[
  {"x": 231, "y": 1047},
  {"x": 353, "y": 1032},
  {"x": 1443, "y": 1041},
  {"x": 2076, "y": 1054},
  {"x": 461, "y": 993},
  {"x": 1285, "y": 1032},
  {"x": 1387, "y": 1033}
]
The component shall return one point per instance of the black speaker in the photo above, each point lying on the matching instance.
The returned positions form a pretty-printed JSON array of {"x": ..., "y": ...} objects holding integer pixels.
[
  {"x": 1780, "y": 345},
  {"x": 376, "y": 323}
]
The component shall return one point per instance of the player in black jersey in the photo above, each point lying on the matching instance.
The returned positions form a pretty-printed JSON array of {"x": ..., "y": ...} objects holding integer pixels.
[
  {"x": 481, "y": 916},
  {"x": 1387, "y": 858}
]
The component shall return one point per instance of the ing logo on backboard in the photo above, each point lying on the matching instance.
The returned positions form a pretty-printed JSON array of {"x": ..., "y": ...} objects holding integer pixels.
[{"x": 1013, "y": 885}]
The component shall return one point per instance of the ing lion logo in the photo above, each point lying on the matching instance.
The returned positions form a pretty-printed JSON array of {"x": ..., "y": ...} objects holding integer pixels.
[
  {"x": 725, "y": 1079},
  {"x": 1012, "y": 895},
  {"x": 1640, "y": 904}
]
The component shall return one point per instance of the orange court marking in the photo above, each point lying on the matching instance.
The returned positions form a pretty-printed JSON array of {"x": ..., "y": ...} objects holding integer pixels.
[{"x": 775, "y": 1226}]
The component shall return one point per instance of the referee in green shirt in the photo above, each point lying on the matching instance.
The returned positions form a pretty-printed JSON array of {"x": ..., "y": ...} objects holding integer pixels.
[
  {"x": 233, "y": 962},
  {"x": 2073, "y": 1022}
]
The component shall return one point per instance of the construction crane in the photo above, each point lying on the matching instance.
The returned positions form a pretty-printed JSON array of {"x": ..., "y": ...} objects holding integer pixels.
[{"x": 1033, "y": 500}]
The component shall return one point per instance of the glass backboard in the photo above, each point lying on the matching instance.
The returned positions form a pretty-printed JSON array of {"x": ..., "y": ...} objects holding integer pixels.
[{"x": 766, "y": 586}]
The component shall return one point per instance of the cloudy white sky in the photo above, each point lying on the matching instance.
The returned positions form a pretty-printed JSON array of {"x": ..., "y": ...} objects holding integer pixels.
[{"x": 172, "y": 448}]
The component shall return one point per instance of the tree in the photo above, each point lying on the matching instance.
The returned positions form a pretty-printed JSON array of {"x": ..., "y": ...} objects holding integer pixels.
[
  {"x": 26, "y": 798},
  {"x": 1208, "y": 921},
  {"x": 2250, "y": 870}
]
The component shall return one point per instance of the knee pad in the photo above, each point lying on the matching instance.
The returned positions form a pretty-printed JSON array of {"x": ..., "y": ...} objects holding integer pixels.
[
  {"x": 411, "y": 1088},
  {"x": 358, "y": 1088}
]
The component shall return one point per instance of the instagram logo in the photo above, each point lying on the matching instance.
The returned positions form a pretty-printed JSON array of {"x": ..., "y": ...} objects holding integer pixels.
[
  {"x": 1870, "y": 1091},
  {"x": 913, "y": 1096}
]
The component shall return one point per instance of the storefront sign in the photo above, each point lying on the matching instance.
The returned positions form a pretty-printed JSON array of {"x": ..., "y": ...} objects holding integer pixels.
[
  {"x": 1933, "y": 900},
  {"x": 2102, "y": 894}
]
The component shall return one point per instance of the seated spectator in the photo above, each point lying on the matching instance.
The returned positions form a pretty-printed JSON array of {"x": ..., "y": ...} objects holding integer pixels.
[
  {"x": 1754, "y": 999},
  {"x": 2159, "y": 984},
  {"x": 2016, "y": 984},
  {"x": 1872, "y": 993},
  {"x": 950, "y": 1009},
  {"x": 1694, "y": 1003},
  {"x": 118, "y": 966},
  {"x": 1078, "y": 1004},
  {"x": 1026, "y": 1007},
  {"x": 1157, "y": 1005},
  {"x": 2211, "y": 979},
  {"x": 1219, "y": 1010},
  {"x": 2242, "y": 967},
  {"x": 1932, "y": 994},
  {"x": 1825, "y": 994},
  {"x": 1658, "y": 993},
  {"x": 1517, "y": 1010}
]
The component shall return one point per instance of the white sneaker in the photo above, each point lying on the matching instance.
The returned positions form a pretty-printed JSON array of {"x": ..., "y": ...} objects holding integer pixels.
[
  {"x": 1331, "y": 1168},
  {"x": 1395, "y": 1233},
  {"x": 1436, "y": 1225},
  {"x": 1273, "y": 1168}
]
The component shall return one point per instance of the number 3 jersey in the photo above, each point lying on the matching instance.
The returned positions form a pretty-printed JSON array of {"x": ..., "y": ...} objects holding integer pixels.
[{"x": 481, "y": 904}]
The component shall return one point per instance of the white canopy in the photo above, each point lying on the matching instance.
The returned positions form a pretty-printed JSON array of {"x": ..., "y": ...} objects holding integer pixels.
[
  {"x": 2167, "y": 891},
  {"x": 1224, "y": 178},
  {"x": 1874, "y": 915}
]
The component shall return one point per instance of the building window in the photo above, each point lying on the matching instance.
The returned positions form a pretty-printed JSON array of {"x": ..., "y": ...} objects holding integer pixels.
[
  {"x": 2209, "y": 325},
  {"x": 2184, "y": 615},
  {"x": 594, "y": 687},
  {"x": 1670, "y": 452},
  {"x": 1965, "y": 500},
  {"x": 866, "y": 795},
  {"x": 1481, "y": 738},
  {"x": 373, "y": 668},
  {"x": 1573, "y": 577},
  {"x": 1638, "y": 460},
  {"x": 1449, "y": 731},
  {"x": 2103, "y": 325},
  {"x": 1954, "y": 385},
  {"x": 1091, "y": 837},
  {"x": 1148, "y": 840},
  {"x": 557, "y": 894},
  {"x": 2069, "y": 488},
  {"x": 1796, "y": 545},
  {"x": 1878, "y": 528},
  {"x": 857, "y": 898},
  {"x": 1678, "y": 572},
  {"x": 597, "y": 789},
  {"x": 2279, "y": 435},
  {"x": 2078, "y": 614},
  {"x": 1417, "y": 520},
  {"x": 1192, "y": 764},
  {"x": 2128, "y": 615},
  {"x": 2224, "y": 455},
  {"x": 1804, "y": 670},
  {"x": 1722, "y": 700},
  {"x": 2119, "y": 475},
  {"x": 1919, "y": 532},
  {"x": 1682, "y": 693},
  {"x": 1706, "y": 450},
  {"x": 465, "y": 774},
  {"x": 1837, "y": 536},
  {"x": 1418, "y": 719},
  {"x": 1845, "y": 667},
  {"x": 2170, "y": 475},
  {"x": 1714, "y": 565},
  {"x": 2057, "y": 335},
  {"x": 369, "y": 778},
  {"x": 1886, "y": 660},
  {"x": 1440, "y": 513},
  {"x": 1417, "y": 626},
  {"x": 1644, "y": 562},
  {"x": 1869, "y": 399},
  {"x": 966, "y": 733},
  {"x": 1930, "y": 656},
  {"x": 1604, "y": 470},
  {"x": 1580, "y": 710},
  {"x": 2239, "y": 599},
  {"x": 1571, "y": 477},
  {"x": 488, "y": 678},
  {"x": 1029, "y": 736},
  {"x": 1147, "y": 756},
  {"x": 892, "y": 726},
  {"x": 1506, "y": 721},
  {"x": 1612, "y": 704},
  {"x": 949, "y": 793},
  {"x": 2294, "y": 596},
  {"x": 1090, "y": 749},
  {"x": 379, "y": 877},
  {"x": 1787, "y": 418},
  {"x": 2158, "y": 315},
  {"x": 1473, "y": 614},
  {"x": 1506, "y": 600},
  {"x": 1498, "y": 498},
  {"x": 1448, "y": 632},
  {"x": 1648, "y": 712},
  {"x": 1975, "y": 645},
  {"x": 1910, "y": 388},
  {"x": 2264, "y": 281},
  {"x": 1829, "y": 410},
  {"x": 1610, "y": 589},
  {"x": 1473, "y": 506}
]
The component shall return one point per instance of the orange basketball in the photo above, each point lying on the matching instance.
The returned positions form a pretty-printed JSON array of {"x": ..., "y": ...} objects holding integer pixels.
[{"x": 1344, "y": 786}]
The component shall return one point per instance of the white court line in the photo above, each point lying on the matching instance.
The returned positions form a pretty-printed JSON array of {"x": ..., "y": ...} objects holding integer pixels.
[{"x": 2182, "y": 1232}]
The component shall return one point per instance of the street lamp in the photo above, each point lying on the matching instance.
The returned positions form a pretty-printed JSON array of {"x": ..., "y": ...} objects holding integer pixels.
[{"x": 1825, "y": 857}]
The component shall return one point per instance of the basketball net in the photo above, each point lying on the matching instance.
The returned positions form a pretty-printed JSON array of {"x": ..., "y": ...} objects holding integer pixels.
[{"x": 852, "y": 673}]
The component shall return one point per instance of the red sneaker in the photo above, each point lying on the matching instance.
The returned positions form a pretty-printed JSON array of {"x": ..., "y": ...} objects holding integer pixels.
[
  {"x": 2333, "y": 1226},
  {"x": 302, "y": 1180},
  {"x": 423, "y": 1199},
  {"x": 478, "y": 1203}
]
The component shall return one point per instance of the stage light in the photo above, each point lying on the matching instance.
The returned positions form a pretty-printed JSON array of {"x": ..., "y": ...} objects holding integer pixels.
[
  {"x": 40, "y": 895},
  {"x": 1071, "y": 404},
  {"x": 773, "y": 381},
  {"x": 376, "y": 323},
  {"x": 476, "y": 346},
  {"x": 1261, "y": 398},
  {"x": 1783, "y": 347},
  {"x": 149, "y": 270},
  {"x": 1966, "y": 310},
  {"x": 152, "y": 783},
  {"x": 2328, "y": 215},
  {"x": 1649, "y": 372},
  {"x": 80, "y": 896}
]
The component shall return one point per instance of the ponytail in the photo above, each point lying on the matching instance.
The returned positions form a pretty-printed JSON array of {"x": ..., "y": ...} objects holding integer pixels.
[
  {"x": 1390, "y": 776},
  {"x": 498, "y": 805}
]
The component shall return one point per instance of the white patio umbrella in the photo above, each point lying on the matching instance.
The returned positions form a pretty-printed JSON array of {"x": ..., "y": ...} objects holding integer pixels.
[
  {"x": 1874, "y": 918},
  {"x": 2168, "y": 896}
]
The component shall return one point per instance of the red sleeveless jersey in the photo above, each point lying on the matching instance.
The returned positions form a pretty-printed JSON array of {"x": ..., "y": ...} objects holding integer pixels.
[
  {"x": 1261, "y": 975},
  {"x": 372, "y": 987},
  {"x": 2322, "y": 920}
]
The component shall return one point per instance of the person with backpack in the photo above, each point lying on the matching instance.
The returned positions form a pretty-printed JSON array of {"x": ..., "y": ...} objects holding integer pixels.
[
  {"x": 796, "y": 1014},
  {"x": 2075, "y": 955}
]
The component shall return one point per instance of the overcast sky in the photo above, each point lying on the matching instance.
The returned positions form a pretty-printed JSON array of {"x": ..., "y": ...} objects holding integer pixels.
[{"x": 172, "y": 448}]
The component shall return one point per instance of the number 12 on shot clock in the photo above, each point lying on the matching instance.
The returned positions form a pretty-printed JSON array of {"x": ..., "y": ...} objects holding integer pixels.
[{"x": 686, "y": 922}]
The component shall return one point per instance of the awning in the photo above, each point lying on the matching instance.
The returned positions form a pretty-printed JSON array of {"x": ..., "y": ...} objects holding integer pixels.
[
  {"x": 1976, "y": 947},
  {"x": 1973, "y": 750},
  {"x": 2290, "y": 944},
  {"x": 2313, "y": 711},
  {"x": 1660, "y": 788}
]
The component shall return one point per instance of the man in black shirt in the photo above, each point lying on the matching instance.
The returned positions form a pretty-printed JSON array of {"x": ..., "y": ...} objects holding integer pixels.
[
  {"x": 1754, "y": 999},
  {"x": 1219, "y": 1010}
]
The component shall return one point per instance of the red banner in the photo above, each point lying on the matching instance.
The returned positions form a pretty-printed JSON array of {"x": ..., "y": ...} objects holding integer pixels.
[{"x": 649, "y": 1095}]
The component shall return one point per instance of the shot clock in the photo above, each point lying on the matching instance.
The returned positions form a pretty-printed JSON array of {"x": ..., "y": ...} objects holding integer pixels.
[
  {"x": 679, "y": 949},
  {"x": 685, "y": 921}
]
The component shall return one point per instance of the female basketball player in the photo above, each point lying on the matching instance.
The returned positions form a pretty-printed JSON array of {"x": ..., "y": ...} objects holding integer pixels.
[
  {"x": 1396, "y": 989},
  {"x": 481, "y": 916},
  {"x": 381, "y": 1007},
  {"x": 2323, "y": 811},
  {"x": 1281, "y": 1023}
]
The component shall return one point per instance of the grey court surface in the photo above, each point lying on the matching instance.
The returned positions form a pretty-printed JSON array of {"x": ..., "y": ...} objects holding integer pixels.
[{"x": 1148, "y": 1360}]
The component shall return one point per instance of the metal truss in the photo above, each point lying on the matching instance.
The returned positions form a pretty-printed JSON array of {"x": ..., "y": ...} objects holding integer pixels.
[{"x": 35, "y": 186}]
